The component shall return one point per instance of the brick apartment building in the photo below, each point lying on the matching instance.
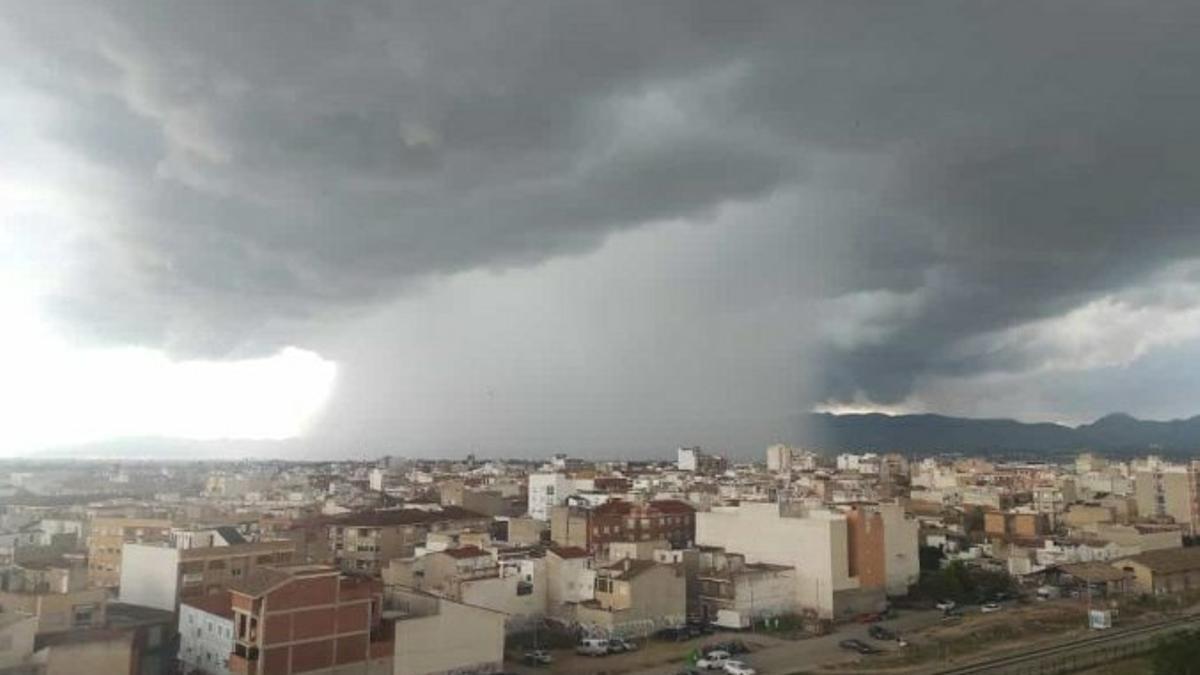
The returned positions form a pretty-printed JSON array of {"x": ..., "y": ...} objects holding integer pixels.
[
  {"x": 622, "y": 521},
  {"x": 365, "y": 542},
  {"x": 308, "y": 618}
]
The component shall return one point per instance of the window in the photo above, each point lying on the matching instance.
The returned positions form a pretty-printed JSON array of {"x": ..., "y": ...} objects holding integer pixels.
[{"x": 83, "y": 614}]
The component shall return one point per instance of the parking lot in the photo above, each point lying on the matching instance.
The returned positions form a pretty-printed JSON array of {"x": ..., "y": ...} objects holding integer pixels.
[{"x": 769, "y": 654}]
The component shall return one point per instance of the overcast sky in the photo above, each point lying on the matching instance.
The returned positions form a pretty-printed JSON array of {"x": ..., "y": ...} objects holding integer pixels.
[{"x": 595, "y": 227}]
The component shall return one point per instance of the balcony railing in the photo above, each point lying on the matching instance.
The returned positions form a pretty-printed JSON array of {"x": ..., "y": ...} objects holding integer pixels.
[{"x": 241, "y": 664}]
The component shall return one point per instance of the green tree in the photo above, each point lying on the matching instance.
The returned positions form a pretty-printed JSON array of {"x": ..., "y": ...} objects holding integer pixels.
[{"x": 1178, "y": 654}]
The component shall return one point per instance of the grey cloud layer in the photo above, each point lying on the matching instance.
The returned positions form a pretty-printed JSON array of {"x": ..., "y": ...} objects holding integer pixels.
[{"x": 961, "y": 169}]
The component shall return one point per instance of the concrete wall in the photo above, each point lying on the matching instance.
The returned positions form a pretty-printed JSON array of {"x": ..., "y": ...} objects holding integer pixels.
[
  {"x": 150, "y": 576},
  {"x": 901, "y": 543},
  {"x": 567, "y": 581},
  {"x": 111, "y": 655},
  {"x": 525, "y": 531},
  {"x": 568, "y": 527},
  {"x": 1128, "y": 536},
  {"x": 456, "y": 639},
  {"x": 768, "y": 593},
  {"x": 1080, "y": 515},
  {"x": 19, "y": 636},
  {"x": 635, "y": 550},
  {"x": 501, "y": 594},
  {"x": 864, "y": 532}
]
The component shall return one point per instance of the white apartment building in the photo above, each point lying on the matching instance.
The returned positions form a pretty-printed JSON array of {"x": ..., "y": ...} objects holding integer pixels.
[
  {"x": 815, "y": 543},
  {"x": 687, "y": 459},
  {"x": 206, "y": 634},
  {"x": 547, "y": 490},
  {"x": 864, "y": 463},
  {"x": 783, "y": 459}
]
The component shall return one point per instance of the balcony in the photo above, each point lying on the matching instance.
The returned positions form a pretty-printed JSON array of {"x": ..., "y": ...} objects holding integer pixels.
[{"x": 244, "y": 658}]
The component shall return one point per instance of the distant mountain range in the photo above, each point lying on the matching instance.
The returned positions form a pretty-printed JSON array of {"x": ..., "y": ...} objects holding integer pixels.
[
  {"x": 938, "y": 433},
  {"x": 911, "y": 434}
]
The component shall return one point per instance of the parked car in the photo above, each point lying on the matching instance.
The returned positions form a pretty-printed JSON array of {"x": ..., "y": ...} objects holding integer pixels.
[
  {"x": 946, "y": 605},
  {"x": 674, "y": 634},
  {"x": 880, "y": 633},
  {"x": 732, "y": 646},
  {"x": 618, "y": 645},
  {"x": 870, "y": 617},
  {"x": 538, "y": 657},
  {"x": 739, "y": 668},
  {"x": 859, "y": 646},
  {"x": 592, "y": 647},
  {"x": 991, "y": 607},
  {"x": 714, "y": 660}
]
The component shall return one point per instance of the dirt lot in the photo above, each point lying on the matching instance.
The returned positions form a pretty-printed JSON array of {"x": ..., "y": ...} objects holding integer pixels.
[{"x": 976, "y": 634}]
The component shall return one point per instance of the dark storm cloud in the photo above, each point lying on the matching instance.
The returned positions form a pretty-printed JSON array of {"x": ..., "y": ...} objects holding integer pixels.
[{"x": 974, "y": 166}]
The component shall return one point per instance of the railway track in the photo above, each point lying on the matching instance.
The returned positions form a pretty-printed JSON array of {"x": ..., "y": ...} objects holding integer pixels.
[{"x": 1107, "y": 638}]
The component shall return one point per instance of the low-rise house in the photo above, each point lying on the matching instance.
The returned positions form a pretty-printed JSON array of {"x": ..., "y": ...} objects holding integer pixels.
[
  {"x": 1164, "y": 571},
  {"x": 514, "y": 586},
  {"x": 635, "y": 598},
  {"x": 734, "y": 593},
  {"x": 1102, "y": 580},
  {"x": 570, "y": 579}
]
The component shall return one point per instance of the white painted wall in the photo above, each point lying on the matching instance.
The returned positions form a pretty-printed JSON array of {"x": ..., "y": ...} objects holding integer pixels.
[
  {"x": 150, "y": 575},
  {"x": 456, "y": 639}
]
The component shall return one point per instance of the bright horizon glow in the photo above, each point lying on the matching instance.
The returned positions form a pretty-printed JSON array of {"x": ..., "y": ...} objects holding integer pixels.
[{"x": 53, "y": 394}]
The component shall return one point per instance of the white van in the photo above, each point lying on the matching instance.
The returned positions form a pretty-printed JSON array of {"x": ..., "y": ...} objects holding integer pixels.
[{"x": 592, "y": 647}]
